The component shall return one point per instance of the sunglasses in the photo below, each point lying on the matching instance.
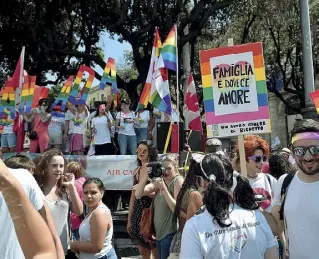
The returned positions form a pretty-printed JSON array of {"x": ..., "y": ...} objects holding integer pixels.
[
  {"x": 301, "y": 151},
  {"x": 141, "y": 151},
  {"x": 258, "y": 159}
]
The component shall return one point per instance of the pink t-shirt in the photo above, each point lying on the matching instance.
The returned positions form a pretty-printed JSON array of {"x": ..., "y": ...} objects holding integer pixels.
[{"x": 76, "y": 220}]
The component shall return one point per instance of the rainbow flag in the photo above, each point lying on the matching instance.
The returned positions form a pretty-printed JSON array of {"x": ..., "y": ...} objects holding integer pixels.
[
  {"x": 145, "y": 95},
  {"x": 109, "y": 76},
  {"x": 79, "y": 97},
  {"x": 315, "y": 99},
  {"x": 169, "y": 50},
  {"x": 59, "y": 104},
  {"x": 7, "y": 102},
  {"x": 91, "y": 151},
  {"x": 160, "y": 95},
  {"x": 27, "y": 94}
]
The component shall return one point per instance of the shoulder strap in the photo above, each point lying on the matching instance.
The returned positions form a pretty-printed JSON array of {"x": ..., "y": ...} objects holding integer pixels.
[
  {"x": 283, "y": 192},
  {"x": 269, "y": 180},
  {"x": 38, "y": 123}
]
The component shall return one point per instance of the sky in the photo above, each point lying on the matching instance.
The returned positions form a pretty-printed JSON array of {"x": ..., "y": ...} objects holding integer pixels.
[{"x": 112, "y": 48}]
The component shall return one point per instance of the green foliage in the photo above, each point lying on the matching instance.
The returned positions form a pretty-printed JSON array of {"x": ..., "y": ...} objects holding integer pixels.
[
  {"x": 126, "y": 68},
  {"x": 54, "y": 92}
]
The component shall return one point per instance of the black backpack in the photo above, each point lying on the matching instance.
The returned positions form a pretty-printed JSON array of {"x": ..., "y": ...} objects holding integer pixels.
[{"x": 283, "y": 192}]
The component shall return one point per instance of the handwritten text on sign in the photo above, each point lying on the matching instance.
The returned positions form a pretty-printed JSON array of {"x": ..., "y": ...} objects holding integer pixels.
[
  {"x": 234, "y": 84},
  {"x": 239, "y": 128}
]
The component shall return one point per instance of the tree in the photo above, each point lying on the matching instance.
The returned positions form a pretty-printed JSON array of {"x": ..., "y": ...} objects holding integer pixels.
[
  {"x": 55, "y": 31},
  {"x": 277, "y": 25},
  {"x": 54, "y": 91}
]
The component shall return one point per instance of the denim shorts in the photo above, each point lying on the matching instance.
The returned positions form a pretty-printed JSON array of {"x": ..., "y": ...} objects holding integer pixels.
[
  {"x": 110, "y": 255},
  {"x": 8, "y": 140}
]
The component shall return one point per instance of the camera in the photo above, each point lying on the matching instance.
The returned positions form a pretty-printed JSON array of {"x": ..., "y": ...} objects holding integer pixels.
[{"x": 157, "y": 169}]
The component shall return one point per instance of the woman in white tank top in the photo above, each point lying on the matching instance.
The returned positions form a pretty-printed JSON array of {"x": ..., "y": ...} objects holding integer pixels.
[{"x": 96, "y": 230}]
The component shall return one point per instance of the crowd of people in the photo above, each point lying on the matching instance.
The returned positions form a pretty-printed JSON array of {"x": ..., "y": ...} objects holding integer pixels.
[
  {"x": 211, "y": 212},
  {"x": 113, "y": 130}
]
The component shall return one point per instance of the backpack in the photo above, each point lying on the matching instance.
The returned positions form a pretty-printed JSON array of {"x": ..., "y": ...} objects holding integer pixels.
[
  {"x": 269, "y": 180},
  {"x": 283, "y": 193}
]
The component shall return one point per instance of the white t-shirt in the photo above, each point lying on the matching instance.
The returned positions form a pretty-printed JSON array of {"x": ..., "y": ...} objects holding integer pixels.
[
  {"x": 301, "y": 213},
  {"x": 79, "y": 121},
  {"x": 143, "y": 119},
  {"x": 9, "y": 244},
  {"x": 56, "y": 124},
  {"x": 126, "y": 120},
  {"x": 249, "y": 236},
  {"x": 102, "y": 135},
  {"x": 261, "y": 186},
  {"x": 69, "y": 117},
  {"x": 8, "y": 129}
]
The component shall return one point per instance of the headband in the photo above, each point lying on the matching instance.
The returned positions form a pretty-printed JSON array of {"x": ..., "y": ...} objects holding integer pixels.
[{"x": 305, "y": 135}]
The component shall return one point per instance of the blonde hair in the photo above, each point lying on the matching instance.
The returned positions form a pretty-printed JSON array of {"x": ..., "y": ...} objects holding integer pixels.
[
  {"x": 172, "y": 158},
  {"x": 75, "y": 168}
]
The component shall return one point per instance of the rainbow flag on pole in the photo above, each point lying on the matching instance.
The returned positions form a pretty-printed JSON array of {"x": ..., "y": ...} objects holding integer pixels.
[
  {"x": 145, "y": 95},
  {"x": 315, "y": 99},
  {"x": 169, "y": 50},
  {"x": 109, "y": 77}
]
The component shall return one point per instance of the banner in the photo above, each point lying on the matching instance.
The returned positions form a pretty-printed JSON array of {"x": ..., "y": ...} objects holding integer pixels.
[
  {"x": 235, "y": 91},
  {"x": 116, "y": 172}
]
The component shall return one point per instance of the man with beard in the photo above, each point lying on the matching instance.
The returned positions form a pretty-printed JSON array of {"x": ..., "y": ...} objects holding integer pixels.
[{"x": 297, "y": 195}]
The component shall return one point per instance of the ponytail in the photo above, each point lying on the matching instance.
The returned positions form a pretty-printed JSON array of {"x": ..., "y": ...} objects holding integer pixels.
[
  {"x": 217, "y": 202},
  {"x": 244, "y": 195}
]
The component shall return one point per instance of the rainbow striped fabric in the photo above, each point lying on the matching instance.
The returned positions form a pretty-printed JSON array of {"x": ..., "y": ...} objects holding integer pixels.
[
  {"x": 315, "y": 99},
  {"x": 109, "y": 77},
  {"x": 169, "y": 50},
  {"x": 145, "y": 95},
  {"x": 27, "y": 94},
  {"x": 76, "y": 96},
  {"x": 7, "y": 102},
  {"x": 62, "y": 98}
]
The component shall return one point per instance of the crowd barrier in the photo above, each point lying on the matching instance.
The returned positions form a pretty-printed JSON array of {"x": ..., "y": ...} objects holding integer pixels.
[{"x": 116, "y": 172}]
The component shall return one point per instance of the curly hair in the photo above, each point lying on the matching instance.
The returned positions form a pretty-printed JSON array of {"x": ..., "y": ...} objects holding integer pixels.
[
  {"x": 41, "y": 171},
  {"x": 152, "y": 152},
  {"x": 251, "y": 144},
  {"x": 279, "y": 165}
]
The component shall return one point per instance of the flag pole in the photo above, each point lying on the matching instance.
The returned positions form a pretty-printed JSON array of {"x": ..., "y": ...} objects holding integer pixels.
[
  {"x": 177, "y": 81},
  {"x": 20, "y": 133},
  {"x": 21, "y": 80}
]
